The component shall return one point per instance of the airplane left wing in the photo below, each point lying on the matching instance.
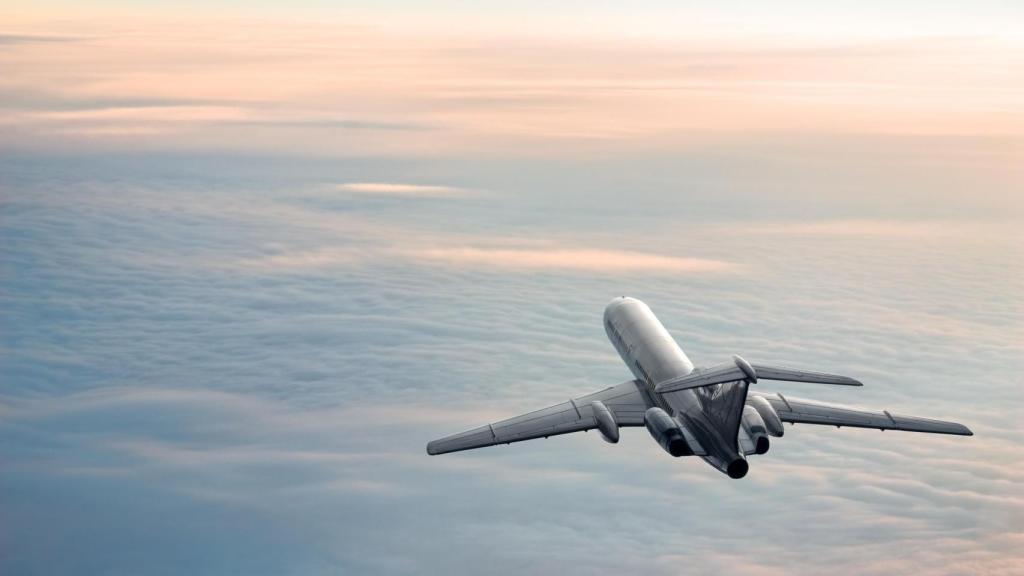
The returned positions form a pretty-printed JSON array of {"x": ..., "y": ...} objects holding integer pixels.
[
  {"x": 800, "y": 411},
  {"x": 627, "y": 402}
]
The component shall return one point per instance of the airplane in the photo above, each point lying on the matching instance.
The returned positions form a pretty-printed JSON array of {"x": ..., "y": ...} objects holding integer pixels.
[{"x": 706, "y": 412}]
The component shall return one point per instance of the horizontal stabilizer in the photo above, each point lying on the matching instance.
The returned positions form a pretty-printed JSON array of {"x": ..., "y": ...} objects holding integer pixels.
[
  {"x": 791, "y": 375},
  {"x": 741, "y": 370},
  {"x": 800, "y": 411}
]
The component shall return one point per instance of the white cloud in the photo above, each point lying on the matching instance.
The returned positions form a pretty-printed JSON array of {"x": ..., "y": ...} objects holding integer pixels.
[
  {"x": 270, "y": 420},
  {"x": 612, "y": 262},
  {"x": 398, "y": 189},
  {"x": 550, "y": 258}
]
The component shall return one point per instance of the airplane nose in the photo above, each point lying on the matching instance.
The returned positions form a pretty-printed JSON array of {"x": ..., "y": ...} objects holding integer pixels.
[{"x": 615, "y": 303}]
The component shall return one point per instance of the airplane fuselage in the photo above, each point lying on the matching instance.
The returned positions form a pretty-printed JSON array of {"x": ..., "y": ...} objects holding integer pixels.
[{"x": 653, "y": 356}]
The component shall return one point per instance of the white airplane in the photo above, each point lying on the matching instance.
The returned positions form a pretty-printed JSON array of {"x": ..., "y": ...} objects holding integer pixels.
[{"x": 689, "y": 411}]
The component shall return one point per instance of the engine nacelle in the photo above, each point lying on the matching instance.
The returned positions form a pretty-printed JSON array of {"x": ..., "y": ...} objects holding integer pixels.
[
  {"x": 756, "y": 429},
  {"x": 667, "y": 432},
  {"x": 769, "y": 416},
  {"x": 605, "y": 420}
]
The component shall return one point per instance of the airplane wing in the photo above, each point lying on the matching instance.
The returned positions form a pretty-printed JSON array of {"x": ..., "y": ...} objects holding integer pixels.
[
  {"x": 800, "y": 411},
  {"x": 627, "y": 402}
]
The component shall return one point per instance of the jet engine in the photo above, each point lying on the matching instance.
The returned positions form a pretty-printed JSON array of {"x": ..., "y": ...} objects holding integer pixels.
[
  {"x": 667, "y": 432},
  {"x": 755, "y": 427},
  {"x": 772, "y": 422}
]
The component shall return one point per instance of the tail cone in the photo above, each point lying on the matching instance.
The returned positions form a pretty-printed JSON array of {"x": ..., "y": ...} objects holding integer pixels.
[{"x": 737, "y": 468}]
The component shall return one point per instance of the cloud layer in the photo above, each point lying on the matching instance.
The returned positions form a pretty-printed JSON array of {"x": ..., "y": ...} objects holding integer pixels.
[
  {"x": 271, "y": 417},
  {"x": 249, "y": 268},
  {"x": 365, "y": 86}
]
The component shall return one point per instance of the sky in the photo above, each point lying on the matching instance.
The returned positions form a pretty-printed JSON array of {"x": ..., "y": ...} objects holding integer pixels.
[{"x": 254, "y": 257}]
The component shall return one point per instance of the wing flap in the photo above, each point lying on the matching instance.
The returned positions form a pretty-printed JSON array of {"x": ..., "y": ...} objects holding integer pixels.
[
  {"x": 801, "y": 411},
  {"x": 627, "y": 401}
]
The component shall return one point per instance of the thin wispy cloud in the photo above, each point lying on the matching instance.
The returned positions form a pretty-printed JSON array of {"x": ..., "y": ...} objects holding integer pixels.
[
  {"x": 154, "y": 113},
  {"x": 299, "y": 85},
  {"x": 864, "y": 228},
  {"x": 19, "y": 39},
  {"x": 581, "y": 259},
  {"x": 569, "y": 260},
  {"x": 308, "y": 259},
  {"x": 403, "y": 189}
]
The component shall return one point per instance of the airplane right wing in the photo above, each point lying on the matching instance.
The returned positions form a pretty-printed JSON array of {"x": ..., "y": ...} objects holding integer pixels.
[
  {"x": 800, "y": 411},
  {"x": 627, "y": 402}
]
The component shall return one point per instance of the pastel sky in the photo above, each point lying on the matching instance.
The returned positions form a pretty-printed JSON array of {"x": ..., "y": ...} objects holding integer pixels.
[{"x": 252, "y": 258}]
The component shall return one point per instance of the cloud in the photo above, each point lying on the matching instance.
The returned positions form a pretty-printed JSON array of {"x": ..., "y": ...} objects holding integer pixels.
[
  {"x": 276, "y": 422},
  {"x": 963, "y": 230},
  {"x": 148, "y": 113},
  {"x": 396, "y": 189},
  {"x": 312, "y": 84},
  {"x": 583, "y": 259},
  {"x": 17, "y": 39},
  {"x": 878, "y": 228},
  {"x": 436, "y": 250},
  {"x": 309, "y": 259},
  {"x": 609, "y": 262},
  {"x": 329, "y": 121}
]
